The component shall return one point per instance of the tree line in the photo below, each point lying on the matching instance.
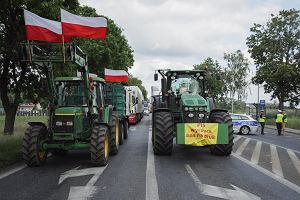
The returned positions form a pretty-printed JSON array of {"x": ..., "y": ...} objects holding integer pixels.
[{"x": 275, "y": 50}]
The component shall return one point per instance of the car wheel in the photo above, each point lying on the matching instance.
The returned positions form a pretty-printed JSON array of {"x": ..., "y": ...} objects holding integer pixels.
[{"x": 245, "y": 130}]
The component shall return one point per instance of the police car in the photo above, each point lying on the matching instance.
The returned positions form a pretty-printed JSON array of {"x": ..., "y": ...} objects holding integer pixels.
[{"x": 243, "y": 124}]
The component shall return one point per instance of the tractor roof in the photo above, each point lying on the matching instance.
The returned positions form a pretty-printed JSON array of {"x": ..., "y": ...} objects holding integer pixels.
[
  {"x": 77, "y": 79},
  {"x": 203, "y": 72}
]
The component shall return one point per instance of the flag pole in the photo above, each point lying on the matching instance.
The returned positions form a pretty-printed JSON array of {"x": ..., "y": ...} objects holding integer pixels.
[{"x": 63, "y": 41}]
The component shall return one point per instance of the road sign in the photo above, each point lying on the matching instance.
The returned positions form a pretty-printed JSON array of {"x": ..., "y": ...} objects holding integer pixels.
[{"x": 262, "y": 103}]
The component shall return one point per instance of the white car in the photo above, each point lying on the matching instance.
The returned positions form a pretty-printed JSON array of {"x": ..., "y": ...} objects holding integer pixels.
[{"x": 244, "y": 124}]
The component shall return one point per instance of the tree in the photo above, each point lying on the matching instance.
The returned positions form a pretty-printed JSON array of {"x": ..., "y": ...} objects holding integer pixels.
[
  {"x": 236, "y": 73},
  {"x": 275, "y": 49},
  {"x": 216, "y": 87},
  {"x": 19, "y": 81},
  {"x": 134, "y": 81}
]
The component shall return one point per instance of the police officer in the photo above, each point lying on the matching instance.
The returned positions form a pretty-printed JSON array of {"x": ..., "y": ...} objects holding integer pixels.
[
  {"x": 279, "y": 121},
  {"x": 284, "y": 121},
  {"x": 262, "y": 121}
]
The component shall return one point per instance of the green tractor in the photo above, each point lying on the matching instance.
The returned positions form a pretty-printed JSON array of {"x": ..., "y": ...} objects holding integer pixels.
[
  {"x": 184, "y": 110},
  {"x": 78, "y": 115}
]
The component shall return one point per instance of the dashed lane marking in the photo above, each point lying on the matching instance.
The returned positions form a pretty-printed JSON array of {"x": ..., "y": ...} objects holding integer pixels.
[
  {"x": 256, "y": 152},
  {"x": 14, "y": 170},
  {"x": 295, "y": 160},
  {"x": 151, "y": 181},
  {"x": 276, "y": 166},
  {"x": 241, "y": 148}
]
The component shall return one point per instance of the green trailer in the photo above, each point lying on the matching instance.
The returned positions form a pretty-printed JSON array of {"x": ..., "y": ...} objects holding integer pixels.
[{"x": 115, "y": 95}]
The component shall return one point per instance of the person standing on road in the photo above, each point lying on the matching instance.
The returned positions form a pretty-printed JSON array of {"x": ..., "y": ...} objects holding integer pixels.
[
  {"x": 279, "y": 121},
  {"x": 262, "y": 121},
  {"x": 284, "y": 121}
]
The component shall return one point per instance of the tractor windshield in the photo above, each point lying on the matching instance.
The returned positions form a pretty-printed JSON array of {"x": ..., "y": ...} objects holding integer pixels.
[
  {"x": 71, "y": 93},
  {"x": 185, "y": 84}
]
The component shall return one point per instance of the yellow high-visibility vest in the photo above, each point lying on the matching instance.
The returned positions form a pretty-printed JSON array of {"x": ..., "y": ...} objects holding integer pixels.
[
  {"x": 285, "y": 120},
  {"x": 279, "y": 118},
  {"x": 262, "y": 119}
]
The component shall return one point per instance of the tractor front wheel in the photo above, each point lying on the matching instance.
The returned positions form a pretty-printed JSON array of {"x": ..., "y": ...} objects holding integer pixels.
[
  {"x": 99, "y": 147},
  {"x": 222, "y": 149},
  {"x": 32, "y": 149},
  {"x": 121, "y": 133},
  {"x": 114, "y": 135},
  {"x": 162, "y": 137}
]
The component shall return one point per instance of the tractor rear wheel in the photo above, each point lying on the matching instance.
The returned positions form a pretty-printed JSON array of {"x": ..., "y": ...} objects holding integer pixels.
[
  {"x": 99, "y": 147},
  {"x": 59, "y": 153},
  {"x": 125, "y": 128},
  {"x": 114, "y": 135},
  {"x": 222, "y": 149},
  {"x": 163, "y": 129},
  {"x": 32, "y": 150}
]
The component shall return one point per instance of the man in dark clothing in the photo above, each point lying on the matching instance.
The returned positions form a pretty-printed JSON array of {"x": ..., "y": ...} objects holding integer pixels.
[
  {"x": 279, "y": 121},
  {"x": 262, "y": 121}
]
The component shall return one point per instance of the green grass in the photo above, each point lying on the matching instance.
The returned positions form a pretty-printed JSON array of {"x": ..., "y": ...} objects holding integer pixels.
[
  {"x": 10, "y": 145},
  {"x": 293, "y": 122}
]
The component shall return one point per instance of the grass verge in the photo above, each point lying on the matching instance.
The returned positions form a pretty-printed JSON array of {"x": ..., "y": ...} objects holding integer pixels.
[{"x": 10, "y": 145}]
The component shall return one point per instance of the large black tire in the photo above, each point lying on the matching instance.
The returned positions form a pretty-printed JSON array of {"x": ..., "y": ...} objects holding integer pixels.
[
  {"x": 125, "y": 128},
  {"x": 99, "y": 147},
  {"x": 114, "y": 135},
  {"x": 32, "y": 151},
  {"x": 59, "y": 152},
  {"x": 222, "y": 149},
  {"x": 121, "y": 133},
  {"x": 163, "y": 129}
]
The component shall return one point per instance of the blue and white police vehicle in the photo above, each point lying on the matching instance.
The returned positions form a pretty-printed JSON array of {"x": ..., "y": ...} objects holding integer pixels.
[{"x": 244, "y": 124}]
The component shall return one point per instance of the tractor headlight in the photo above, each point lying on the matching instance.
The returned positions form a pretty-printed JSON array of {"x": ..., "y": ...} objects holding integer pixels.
[
  {"x": 201, "y": 115},
  {"x": 196, "y": 109},
  {"x": 186, "y": 109},
  {"x": 191, "y": 115},
  {"x": 191, "y": 109},
  {"x": 69, "y": 123},
  {"x": 58, "y": 123}
]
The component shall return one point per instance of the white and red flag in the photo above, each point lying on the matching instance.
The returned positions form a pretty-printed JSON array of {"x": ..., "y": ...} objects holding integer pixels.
[
  {"x": 84, "y": 27},
  {"x": 115, "y": 75},
  {"x": 41, "y": 29}
]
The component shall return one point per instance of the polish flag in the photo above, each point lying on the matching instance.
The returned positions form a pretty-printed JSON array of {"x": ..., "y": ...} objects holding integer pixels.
[
  {"x": 115, "y": 75},
  {"x": 84, "y": 27},
  {"x": 41, "y": 29}
]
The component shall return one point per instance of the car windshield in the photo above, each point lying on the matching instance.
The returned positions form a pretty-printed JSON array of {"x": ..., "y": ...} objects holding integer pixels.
[
  {"x": 71, "y": 93},
  {"x": 185, "y": 84}
]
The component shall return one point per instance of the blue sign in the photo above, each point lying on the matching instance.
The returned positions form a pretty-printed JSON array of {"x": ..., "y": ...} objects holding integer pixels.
[{"x": 262, "y": 103}]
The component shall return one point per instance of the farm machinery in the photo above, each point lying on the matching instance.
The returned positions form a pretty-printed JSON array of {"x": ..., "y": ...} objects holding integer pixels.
[
  {"x": 184, "y": 111},
  {"x": 79, "y": 118}
]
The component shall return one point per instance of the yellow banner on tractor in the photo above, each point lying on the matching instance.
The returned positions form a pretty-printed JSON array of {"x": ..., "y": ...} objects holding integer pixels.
[{"x": 202, "y": 134}]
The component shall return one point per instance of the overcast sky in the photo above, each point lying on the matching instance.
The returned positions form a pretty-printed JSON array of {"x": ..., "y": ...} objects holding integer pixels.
[{"x": 176, "y": 34}]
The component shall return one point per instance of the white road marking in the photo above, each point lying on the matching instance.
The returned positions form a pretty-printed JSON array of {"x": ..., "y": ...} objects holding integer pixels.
[
  {"x": 151, "y": 181},
  {"x": 256, "y": 152},
  {"x": 220, "y": 192},
  {"x": 236, "y": 138},
  {"x": 274, "y": 144},
  {"x": 280, "y": 179},
  {"x": 241, "y": 148},
  {"x": 14, "y": 170},
  {"x": 82, "y": 192},
  {"x": 276, "y": 166},
  {"x": 295, "y": 160}
]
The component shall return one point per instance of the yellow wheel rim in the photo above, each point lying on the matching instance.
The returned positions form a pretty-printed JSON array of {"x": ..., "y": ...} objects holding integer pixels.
[
  {"x": 106, "y": 146},
  {"x": 117, "y": 133},
  {"x": 42, "y": 154}
]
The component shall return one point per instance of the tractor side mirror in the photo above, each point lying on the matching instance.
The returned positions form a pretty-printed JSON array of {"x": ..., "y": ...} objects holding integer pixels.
[
  {"x": 163, "y": 88},
  {"x": 155, "y": 77}
]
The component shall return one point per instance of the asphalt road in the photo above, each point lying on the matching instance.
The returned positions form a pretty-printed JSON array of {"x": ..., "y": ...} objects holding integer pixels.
[{"x": 260, "y": 167}]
